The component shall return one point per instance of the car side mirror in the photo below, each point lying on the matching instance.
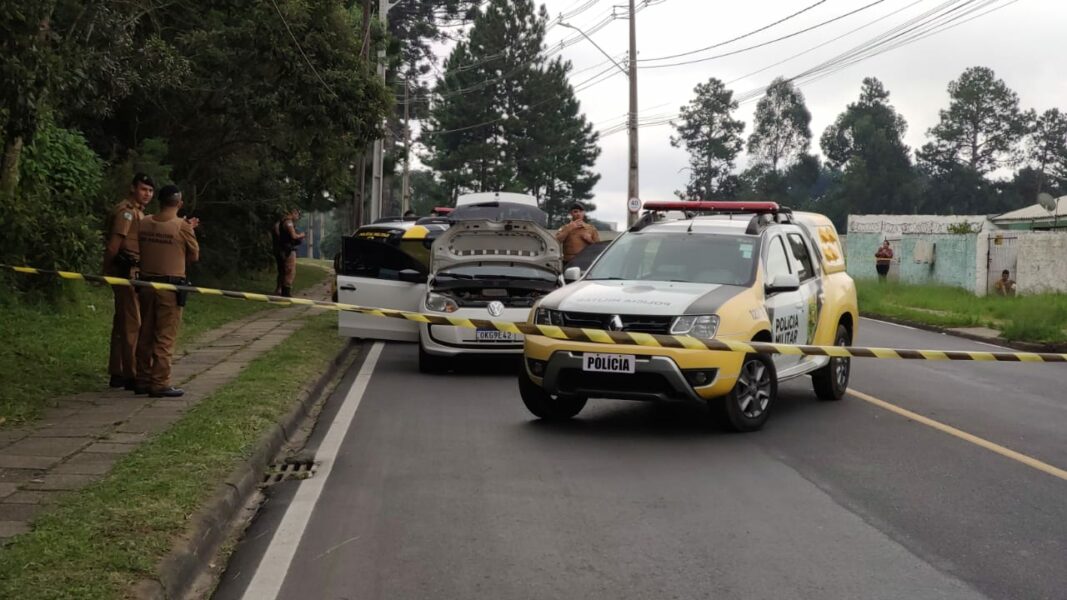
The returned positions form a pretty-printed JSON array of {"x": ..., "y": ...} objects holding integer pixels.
[
  {"x": 572, "y": 274},
  {"x": 783, "y": 283},
  {"x": 411, "y": 276}
]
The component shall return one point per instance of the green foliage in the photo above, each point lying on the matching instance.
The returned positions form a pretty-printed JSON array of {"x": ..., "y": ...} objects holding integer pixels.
[
  {"x": 865, "y": 143},
  {"x": 708, "y": 131},
  {"x": 782, "y": 126},
  {"x": 506, "y": 119},
  {"x": 1047, "y": 150},
  {"x": 964, "y": 228},
  {"x": 981, "y": 128},
  {"x": 54, "y": 218}
]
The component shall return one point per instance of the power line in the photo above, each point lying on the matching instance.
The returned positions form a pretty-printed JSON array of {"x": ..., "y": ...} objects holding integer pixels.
[
  {"x": 767, "y": 43},
  {"x": 740, "y": 37}
]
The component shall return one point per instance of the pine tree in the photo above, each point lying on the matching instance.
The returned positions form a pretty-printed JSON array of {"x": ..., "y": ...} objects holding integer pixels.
[
  {"x": 1047, "y": 150},
  {"x": 506, "y": 119},
  {"x": 782, "y": 130},
  {"x": 865, "y": 142},
  {"x": 713, "y": 139}
]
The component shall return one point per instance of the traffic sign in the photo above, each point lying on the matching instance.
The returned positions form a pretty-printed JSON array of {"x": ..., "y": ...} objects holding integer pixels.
[{"x": 634, "y": 204}]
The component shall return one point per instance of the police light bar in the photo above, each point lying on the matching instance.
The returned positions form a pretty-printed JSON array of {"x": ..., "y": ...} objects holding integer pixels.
[
  {"x": 719, "y": 206},
  {"x": 442, "y": 210}
]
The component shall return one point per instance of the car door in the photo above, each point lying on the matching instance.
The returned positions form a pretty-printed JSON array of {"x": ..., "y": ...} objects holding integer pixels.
[
  {"x": 786, "y": 309},
  {"x": 811, "y": 292},
  {"x": 376, "y": 274}
]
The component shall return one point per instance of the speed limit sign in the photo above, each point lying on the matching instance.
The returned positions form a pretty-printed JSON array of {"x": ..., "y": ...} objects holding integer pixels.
[{"x": 634, "y": 204}]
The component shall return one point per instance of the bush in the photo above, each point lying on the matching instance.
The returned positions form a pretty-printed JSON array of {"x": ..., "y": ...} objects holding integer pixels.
[{"x": 54, "y": 219}]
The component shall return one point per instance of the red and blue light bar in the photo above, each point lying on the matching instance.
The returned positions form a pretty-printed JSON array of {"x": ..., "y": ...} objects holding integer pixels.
[{"x": 759, "y": 208}]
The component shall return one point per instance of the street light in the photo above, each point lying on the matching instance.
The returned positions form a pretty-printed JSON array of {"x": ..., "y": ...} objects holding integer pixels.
[{"x": 633, "y": 196}]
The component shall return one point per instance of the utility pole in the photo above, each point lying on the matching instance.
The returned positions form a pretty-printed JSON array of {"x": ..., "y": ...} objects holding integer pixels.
[
  {"x": 632, "y": 187},
  {"x": 631, "y": 73},
  {"x": 405, "y": 182},
  {"x": 384, "y": 6}
]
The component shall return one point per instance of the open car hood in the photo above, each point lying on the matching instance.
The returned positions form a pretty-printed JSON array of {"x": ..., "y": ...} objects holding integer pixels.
[{"x": 509, "y": 241}]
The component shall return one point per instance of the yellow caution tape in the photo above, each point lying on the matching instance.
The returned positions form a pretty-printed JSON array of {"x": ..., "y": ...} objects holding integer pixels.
[{"x": 578, "y": 334}]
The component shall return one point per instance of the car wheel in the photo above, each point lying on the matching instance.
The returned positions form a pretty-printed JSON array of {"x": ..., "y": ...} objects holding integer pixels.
[
  {"x": 831, "y": 381},
  {"x": 748, "y": 405},
  {"x": 544, "y": 405},
  {"x": 431, "y": 363}
]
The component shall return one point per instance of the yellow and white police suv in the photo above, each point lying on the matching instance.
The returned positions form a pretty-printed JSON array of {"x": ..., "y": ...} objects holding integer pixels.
[{"x": 727, "y": 270}]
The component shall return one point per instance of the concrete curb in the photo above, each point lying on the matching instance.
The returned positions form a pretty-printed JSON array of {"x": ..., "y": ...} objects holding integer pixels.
[
  {"x": 210, "y": 526},
  {"x": 1021, "y": 346}
]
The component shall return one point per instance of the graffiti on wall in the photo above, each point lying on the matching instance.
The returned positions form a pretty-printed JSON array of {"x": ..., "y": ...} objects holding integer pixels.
[{"x": 911, "y": 227}]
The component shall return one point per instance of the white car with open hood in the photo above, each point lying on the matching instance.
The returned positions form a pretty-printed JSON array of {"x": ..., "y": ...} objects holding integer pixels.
[
  {"x": 495, "y": 260},
  {"x": 485, "y": 270}
]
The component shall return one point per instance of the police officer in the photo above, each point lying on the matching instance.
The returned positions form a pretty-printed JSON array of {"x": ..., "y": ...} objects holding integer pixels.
[
  {"x": 121, "y": 254},
  {"x": 286, "y": 239},
  {"x": 168, "y": 243}
]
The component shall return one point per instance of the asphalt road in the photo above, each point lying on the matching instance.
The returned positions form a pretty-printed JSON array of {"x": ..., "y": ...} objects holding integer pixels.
[{"x": 445, "y": 487}]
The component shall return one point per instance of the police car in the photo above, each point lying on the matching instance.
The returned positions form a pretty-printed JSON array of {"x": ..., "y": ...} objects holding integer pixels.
[{"x": 727, "y": 270}]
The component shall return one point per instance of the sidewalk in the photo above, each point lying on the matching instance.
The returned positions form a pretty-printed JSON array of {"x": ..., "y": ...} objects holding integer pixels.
[{"x": 80, "y": 439}]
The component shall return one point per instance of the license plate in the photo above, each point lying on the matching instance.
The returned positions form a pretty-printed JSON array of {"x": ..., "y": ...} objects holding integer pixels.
[
  {"x": 493, "y": 335},
  {"x": 609, "y": 363}
]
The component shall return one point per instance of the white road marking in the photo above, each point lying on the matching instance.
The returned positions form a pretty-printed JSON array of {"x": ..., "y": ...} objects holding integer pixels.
[
  {"x": 890, "y": 323},
  {"x": 274, "y": 566}
]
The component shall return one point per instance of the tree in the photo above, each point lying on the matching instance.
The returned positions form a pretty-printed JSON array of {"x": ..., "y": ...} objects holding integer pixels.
[
  {"x": 865, "y": 143},
  {"x": 506, "y": 119},
  {"x": 981, "y": 128},
  {"x": 782, "y": 129},
  {"x": 712, "y": 137},
  {"x": 1047, "y": 150}
]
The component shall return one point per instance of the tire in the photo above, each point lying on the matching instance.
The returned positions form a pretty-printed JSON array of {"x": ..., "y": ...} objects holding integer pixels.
[
  {"x": 544, "y": 405},
  {"x": 831, "y": 381},
  {"x": 748, "y": 405},
  {"x": 431, "y": 363}
]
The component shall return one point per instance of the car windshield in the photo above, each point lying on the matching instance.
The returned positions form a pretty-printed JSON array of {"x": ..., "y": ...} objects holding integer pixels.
[
  {"x": 497, "y": 271},
  {"x": 499, "y": 211},
  {"x": 695, "y": 258}
]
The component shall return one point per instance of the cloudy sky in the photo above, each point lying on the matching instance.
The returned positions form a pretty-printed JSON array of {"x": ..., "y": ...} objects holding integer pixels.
[{"x": 1020, "y": 41}]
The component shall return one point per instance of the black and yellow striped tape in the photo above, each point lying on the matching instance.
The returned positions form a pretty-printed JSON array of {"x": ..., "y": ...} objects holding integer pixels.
[{"x": 579, "y": 334}]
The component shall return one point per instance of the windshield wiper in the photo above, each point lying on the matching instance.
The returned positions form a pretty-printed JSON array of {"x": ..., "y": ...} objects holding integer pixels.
[
  {"x": 603, "y": 278},
  {"x": 455, "y": 275}
]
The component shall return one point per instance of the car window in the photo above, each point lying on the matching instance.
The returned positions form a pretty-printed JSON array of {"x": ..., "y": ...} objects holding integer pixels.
[
  {"x": 719, "y": 259},
  {"x": 777, "y": 261},
  {"x": 805, "y": 269},
  {"x": 375, "y": 259}
]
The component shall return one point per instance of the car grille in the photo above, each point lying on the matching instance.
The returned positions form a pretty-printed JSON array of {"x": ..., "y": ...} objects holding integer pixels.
[
  {"x": 575, "y": 381},
  {"x": 635, "y": 323}
]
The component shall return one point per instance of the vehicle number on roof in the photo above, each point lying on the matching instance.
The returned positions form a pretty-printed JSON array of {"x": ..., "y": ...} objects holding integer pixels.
[{"x": 609, "y": 363}]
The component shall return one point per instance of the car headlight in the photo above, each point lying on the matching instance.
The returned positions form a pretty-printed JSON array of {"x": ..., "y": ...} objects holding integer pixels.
[
  {"x": 547, "y": 316},
  {"x": 701, "y": 326},
  {"x": 440, "y": 303}
]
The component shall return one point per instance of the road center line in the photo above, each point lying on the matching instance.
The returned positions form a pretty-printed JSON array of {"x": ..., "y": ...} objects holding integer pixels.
[
  {"x": 274, "y": 566},
  {"x": 963, "y": 435}
]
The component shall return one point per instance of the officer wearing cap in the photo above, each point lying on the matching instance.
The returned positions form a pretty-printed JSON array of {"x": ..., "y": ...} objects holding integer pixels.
[
  {"x": 168, "y": 243},
  {"x": 121, "y": 255},
  {"x": 576, "y": 235}
]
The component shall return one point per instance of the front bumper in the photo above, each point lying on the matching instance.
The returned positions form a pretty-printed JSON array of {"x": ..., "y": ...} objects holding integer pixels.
[
  {"x": 661, "y": 374},
  {"x": 446, "y": 340}
]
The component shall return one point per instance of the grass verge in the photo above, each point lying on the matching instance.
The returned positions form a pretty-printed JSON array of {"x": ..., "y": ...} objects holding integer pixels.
[
  {"x": 97, "y": 542},
  {"x": 1039, "y": 318},
  {"x": 60, "y": 348}
]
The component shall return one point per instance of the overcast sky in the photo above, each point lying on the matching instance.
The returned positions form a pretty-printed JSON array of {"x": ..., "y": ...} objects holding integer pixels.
[{"x": 1020, "y": 41}]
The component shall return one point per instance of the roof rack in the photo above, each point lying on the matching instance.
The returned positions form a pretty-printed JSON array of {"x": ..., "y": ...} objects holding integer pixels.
[{"x": 763, "y": 213}]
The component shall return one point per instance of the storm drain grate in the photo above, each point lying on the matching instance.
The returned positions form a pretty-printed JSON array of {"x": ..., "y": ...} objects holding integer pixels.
[{"x": 280, "y": 472}]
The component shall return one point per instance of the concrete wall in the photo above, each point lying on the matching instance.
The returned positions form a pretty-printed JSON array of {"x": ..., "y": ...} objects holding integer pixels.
[{"x": 1042, "y": 263}]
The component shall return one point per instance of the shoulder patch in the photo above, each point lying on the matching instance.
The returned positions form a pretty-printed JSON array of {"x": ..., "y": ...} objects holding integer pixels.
[{"x": 127, "y": 215}]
